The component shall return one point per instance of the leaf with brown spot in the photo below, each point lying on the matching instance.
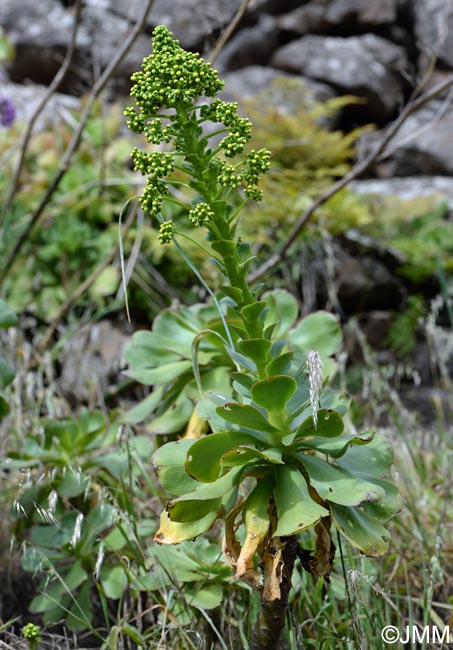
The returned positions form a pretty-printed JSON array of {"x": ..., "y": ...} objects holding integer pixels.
[
  {"x": 256, "y": 520},
  {"x": 174, "y": 532}
]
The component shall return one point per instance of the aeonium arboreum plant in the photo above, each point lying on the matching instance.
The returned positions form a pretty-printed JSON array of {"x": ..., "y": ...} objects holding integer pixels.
[{"x": 277, "y": 459}]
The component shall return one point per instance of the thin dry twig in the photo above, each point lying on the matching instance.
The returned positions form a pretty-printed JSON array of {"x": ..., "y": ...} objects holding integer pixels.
[
  {"x": 77, "y": 136},
  {"x": 86, "y": 284},
  {"x": 359, "y": 168},
  {"x": 228, "y": 31},
  {"x": 57, "y": 80}
]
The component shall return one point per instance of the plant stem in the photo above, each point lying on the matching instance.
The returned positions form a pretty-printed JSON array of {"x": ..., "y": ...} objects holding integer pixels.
[
  {"x": 220, "y": 227},
  {"x": 269, "y": 626}
]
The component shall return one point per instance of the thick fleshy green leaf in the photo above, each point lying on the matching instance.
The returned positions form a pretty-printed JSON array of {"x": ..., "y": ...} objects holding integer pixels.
[
  {"x": 203, "y": 461},
  {"x": 282, "y": 309},
  {"x": 179, "y": 325},
  {"x": 370, "y": 461},
  {"x": 169, "y": 564},
  {"x": 4, "y": 406},
  {"x": 194, "y": 510},
  {"x": 81, "y": 611},
  {"x": 232, "y": 292},
  {"x": 242, "y": 360},
  {"x": 174, "y": 532},
  {"x": 248, "y": 417},
  {"x": 241, "y": 383},
  {"x": 241, "y": 378},
  {"x": 255, "y": 349},
  {"x": 319, "y": 331},
  {"x": 91, "y": 422},
  {"x": 117, "y": 539},
  {"x": 7, "y": 317},
  {"x": 55, "y": 599},
  {"x": 174, "y": 418},
  {"x": 207, "y": 597},
  {"x": 215, "y": 380},
  {"x": 75, "y": 576},
  {"x": 389, "y": 506},
  {"x": 106, "y": 283},
  {"x": 280, "y": 365},
  {"x": 274, "y": 393},
  {"x": 72, "y": 484},
  {"x": 6, "y": 374},
  {"x": 335, "y": 447},
  {"x": 168, "y": 463},
  {"x": 244, "y": 454},
  {"x": 295, "y": 508},
  {"x": 330, "y": 425},
  {"x": 364, "y": 532},
  {"x": 55, "y": 590},
  {"x": 142, "y": 447},
  {"x": 99, "y": 519},
  {"x": 114, "y": 581},
  {"x": 337, "y": 485},
  {"x": 301, "y": 399},
  {"x": 144, "y": 408},
  {"x": 53, "y": 611},
  {"x": 149, "y": 349},
  {"x": 252, "y": 312},
  {"x": 61, "y": 432},
  {"x": 51, "y": 537},
  {"x": 161, "y": 374},
  {"x": 213, "y": 490},
  {"x": 334, "y": 400},
  {"x": 207, "y": 410}
]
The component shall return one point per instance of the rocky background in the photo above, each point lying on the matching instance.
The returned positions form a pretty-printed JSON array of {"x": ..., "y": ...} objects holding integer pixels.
[{"x": 377, "y": 50}]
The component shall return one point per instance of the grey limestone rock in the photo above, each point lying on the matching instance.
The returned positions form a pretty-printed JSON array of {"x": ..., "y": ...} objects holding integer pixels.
[
  {"x": 367, "y": 66},
  {"x": 26, "y": 98},
  {"x": 250, "y": 46},
  {"x": 434, "y": 28},
  {"x": 319, "y": 16},
  {"x": 256, "y": 80},
  {"x": 191, "y": 21},
  {"x": 423, "y": 145},
  {"x": 363, "y": 12},
  {"x": 408, "y": 188}
]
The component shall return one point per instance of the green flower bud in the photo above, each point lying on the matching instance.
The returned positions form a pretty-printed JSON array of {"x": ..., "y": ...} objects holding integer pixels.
[
  {"x": 166, "y": 232},
  {"x": 200, "y": 214}
]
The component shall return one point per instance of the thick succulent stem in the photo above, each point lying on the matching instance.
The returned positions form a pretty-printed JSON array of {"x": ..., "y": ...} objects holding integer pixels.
[{"x": 269, "y": 626}]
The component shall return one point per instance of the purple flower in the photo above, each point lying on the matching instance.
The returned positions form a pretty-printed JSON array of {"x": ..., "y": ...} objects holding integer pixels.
[{"x": 7, "y": 112}]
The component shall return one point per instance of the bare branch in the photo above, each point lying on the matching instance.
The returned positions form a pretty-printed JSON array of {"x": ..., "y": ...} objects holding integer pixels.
[
  {"x": 359, "y": 168},
  {"x": 77, "y": 136},
  {"x": 42, "y": 104},
  {"x": 228, "y": 31}
]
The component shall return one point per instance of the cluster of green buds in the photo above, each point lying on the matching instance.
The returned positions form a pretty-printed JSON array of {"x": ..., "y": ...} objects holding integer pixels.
[
  {"x": 175, "y": 94},
  {"x": 200, "y": 214},
  {"x": 32, "y": 633}
]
